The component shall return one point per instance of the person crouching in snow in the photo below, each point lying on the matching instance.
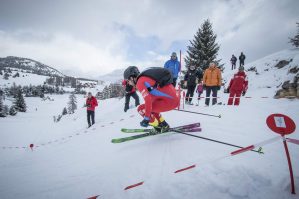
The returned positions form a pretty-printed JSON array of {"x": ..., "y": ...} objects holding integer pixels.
[
  {"x": 91, "y": 103},
  {"x": 238, "y": 85},
  {"x": 155, "y": 85},
  {"x": 199, "y": 91}
]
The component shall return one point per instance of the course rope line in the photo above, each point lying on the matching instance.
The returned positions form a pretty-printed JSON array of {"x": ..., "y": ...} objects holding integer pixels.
[{"x": 65, "y": 138}]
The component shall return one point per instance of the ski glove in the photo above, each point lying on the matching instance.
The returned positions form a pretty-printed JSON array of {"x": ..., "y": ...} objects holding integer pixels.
[
  {"x": 218, "y": 88},
  {"x": 144, "y": 122},
  {"x": 204, "y": 87},
  {"x": 243, "y": 93}
]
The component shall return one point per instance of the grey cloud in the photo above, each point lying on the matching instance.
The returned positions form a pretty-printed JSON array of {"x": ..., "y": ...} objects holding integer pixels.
[{"x": 256, "y": 27}]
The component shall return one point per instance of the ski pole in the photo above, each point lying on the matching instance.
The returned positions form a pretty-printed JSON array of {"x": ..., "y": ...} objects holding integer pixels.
[
  {"x": 220, "y": 142},
  {"x": 199, "y": 113}
]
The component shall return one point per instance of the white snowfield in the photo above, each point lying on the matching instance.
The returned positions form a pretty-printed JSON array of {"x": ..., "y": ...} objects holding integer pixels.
[
  {"x": 24, "y": 79},
  {"x": 70, "y": 161}
]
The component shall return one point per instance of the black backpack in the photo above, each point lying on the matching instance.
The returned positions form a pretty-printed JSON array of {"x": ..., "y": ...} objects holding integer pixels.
[{"x": 162, "y": 76}]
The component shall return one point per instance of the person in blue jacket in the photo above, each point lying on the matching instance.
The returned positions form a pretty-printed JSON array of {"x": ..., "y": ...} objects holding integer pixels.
[{"x": 174, "y": 66}]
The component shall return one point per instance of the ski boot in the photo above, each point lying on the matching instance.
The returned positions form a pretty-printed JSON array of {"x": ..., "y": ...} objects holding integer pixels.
[{"x": 162, "y": 127}]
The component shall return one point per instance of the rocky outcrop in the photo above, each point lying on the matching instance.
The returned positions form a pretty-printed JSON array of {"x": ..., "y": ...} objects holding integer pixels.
[
  {"x": 289, "y": 89},
  {"x": 282, "y": 63}
]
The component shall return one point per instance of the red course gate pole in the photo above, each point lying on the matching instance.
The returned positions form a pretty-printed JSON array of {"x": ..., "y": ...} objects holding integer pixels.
[
  {"x": 290, "y": 165},
  {"x": 283, "y": 125}
]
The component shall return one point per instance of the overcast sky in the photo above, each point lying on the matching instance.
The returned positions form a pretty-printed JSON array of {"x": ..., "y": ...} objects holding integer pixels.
[{"x": 97, "y": 36}]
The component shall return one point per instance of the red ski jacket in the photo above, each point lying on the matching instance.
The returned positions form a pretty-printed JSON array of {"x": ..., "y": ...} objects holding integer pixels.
[
  {"x": 239, "y": 82},
  {"x": 157, "y": 99},
  {"x": 91, "y": 103}
]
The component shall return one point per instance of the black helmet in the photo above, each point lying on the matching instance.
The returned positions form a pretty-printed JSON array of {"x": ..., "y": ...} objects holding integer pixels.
[{"x": 131, "y": 71}]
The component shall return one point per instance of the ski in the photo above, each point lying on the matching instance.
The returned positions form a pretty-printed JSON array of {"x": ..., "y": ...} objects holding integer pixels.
[
  {"x": 151, "y": 133},
  {"x": 188, "y": 126}
]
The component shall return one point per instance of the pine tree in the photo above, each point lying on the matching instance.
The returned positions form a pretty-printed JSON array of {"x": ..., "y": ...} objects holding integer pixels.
[
  {"x": 295, "y": 41},
  {"x": 203, "y": 49},
  {"x": 2, "y": 112},
  {"x": 64, "y": 111},
  {"x": 72, "y": 104},
  {"x": 19, "y": 103},
  {"x": 12, "y": 111}
]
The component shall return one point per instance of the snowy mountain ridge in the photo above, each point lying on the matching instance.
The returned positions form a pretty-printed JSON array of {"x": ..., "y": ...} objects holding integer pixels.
[{"x": 29, "y": 66}]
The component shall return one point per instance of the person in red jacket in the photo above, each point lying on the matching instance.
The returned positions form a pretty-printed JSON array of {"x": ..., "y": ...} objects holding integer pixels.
[
  {"x": 129, "y": 91},
  {"x": 238, "y": 85},
  {"x": 155, "y": 85},
  {"x": 91, "y": 103}
]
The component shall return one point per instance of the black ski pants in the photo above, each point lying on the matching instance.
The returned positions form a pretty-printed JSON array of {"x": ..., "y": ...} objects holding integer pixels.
[
  {"x": 214, "y": 90},
  {"x": 190, "y": 92},
  {"x": 241, "y": 62},
  {"x": 90, "y": 116},
  {"x": 127, "y": 100}
]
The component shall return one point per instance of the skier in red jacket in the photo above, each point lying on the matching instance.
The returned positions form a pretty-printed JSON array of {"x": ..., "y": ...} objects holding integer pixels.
[
  {"x": 91, "y": 103},
  {"x": 155, "y": 85},
  {"x": 238, "y": 85}
]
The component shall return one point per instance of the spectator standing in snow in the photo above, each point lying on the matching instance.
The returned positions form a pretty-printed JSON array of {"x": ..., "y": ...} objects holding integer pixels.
[
  {"x": 91, "y": 103},
  {"x": 199, "y": 91},
  {"x": 212, "y": 82},
  {"x": 130, "y": 91},
  {"x": 155, "y": 85},
  {"x": 233, "y": 61},
  {"x": 190, "y": 80},
  {"x": 238, "y": 85},
  {"x": 242, "y": 58},
  {"x": 174, "y": 66}
]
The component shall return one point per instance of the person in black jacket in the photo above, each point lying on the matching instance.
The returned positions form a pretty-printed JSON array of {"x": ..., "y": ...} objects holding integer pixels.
[
  {"x": 191, "y": 79},
  {"x": 242, "y": 58},
  {"x": 233, "y": 61},
  {"x": 129, "y": 91}
]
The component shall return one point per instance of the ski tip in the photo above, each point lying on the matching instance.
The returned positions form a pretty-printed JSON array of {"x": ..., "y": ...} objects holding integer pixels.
[
  {"x": 260, "y": 150},
  {"x": 114, "y": 141}
]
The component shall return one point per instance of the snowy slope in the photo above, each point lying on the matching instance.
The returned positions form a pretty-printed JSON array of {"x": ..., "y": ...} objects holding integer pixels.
[
  {"x": 269, "y": 78},
  {"x": 74, "y": 162},
  {"x": 25, "y": 79}
]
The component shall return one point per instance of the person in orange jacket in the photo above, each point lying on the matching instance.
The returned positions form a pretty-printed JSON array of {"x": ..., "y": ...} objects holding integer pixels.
[
  {"x": 238, "y": 85},
  {"x": 91, "y": 103},
  {"x": 212, "y": 82}
]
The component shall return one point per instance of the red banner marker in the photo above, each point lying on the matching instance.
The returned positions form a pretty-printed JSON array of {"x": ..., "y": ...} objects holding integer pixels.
[
  {"x": 94, "y": 197},
  {"x": 31, "y": 146},
  {"x": 294, "y": 141},
  {"x": 242, "y": 150},
  {"x": 184, "y": 169},
  {"x": 134, "y": 185}
]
